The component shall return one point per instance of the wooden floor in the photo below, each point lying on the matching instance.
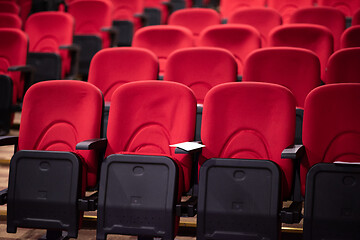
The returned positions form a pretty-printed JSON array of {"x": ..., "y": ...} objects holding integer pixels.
[{"x": 88, "y": 232}]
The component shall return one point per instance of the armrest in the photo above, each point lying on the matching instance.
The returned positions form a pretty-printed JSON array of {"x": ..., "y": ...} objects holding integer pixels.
[
  {"x": 98, "y": 144},
  {"x": 108, "y": 29},
  {"x": 3, "y": 196},
  {"x": 74, "y": 51},
  {"x": 22, "y": 68},
  {"x": 71, "y": 47},
  {"x": 89, "y": 203},
  {"x": 113, "y": 33},
  {"x": 8, "y": 140},
  {"x": 295, "y": 151},
  {"x": 187, "y": 208},
  {"x": 187, "y": 147},
  {"x": 139, "y": 15}
]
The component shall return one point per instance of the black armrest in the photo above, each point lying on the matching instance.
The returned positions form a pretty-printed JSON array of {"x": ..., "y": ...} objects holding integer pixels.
[
  {"x": 22, "y": 68},
  {"x": 187, "y": 208},
  {"x": 98, "y": 144},
  {"x": 113, "y": 33},
  {"x": 72, "y": 47},
  {"x": 3, "y": 196},
  {"x": 74, "y": 51},
  {"x": 293, "y": 152},
  {"x": 8, "y": 140},
  {"x": 89, "y": 203}
]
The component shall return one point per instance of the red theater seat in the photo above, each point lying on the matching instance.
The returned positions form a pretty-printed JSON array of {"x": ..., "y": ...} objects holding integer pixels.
[
  {"x": 245, "y": 128},
  {"x": 348, "y": 7},
  {"x": 351, "y": 37},
  {"x": 163, "y": 40},
  {"x": 9, "y": 7},
  {"x": 239, "y": 39},
  {"x": 329, "y": 17},
  {"x": 343, "y": 66},
  {"x": 10, "y": 20},
  {"x": 287, "y": 7},
  {"x": 48, "y": 175},
  {"x": 50, "y": 45},
  {"x": 263, "y": 19},
  {"x": 331, "y": 136},
  {"x": 145, "y": 118},
  {"x": 227, "y": 7},
  {"x": 356, "y": 18},
  {"x": 314, "y": 37},
  {"x": 195, "y": 19}
]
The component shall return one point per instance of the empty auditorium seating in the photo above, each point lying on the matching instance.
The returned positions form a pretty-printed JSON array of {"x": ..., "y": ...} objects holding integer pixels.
[
  {"x": 314, "y": 37},
  {"x": 201, "y": 69},
  {"x": 243, "y": 179},
  {"x": 329, "y": 17},
  {"x": 286, "y": 66},
  {"x": 239, "y": 39},
  {"x": 9, "y": 7},
  {"x": 51, "y": 48},
  {"x": 112, "y": 67},
  {"x": 48, "y": 175},
  {"x": 10, "y": 20},
  {"x": 343, "y": 66},
  {"x": 140, "y": 162},
  {"x": 228, "y": 6},
  {"x": 127, "y": 17},
  {"x": 287, "y": 7},
  {"x": 350, "y": 37},
  {"x": 195, "y": 19},
  {"x": 93, "y": 21},
  {"x": 356, "y": 18},
  {"x": 348, "y": 7},
  {"x": 263, "y": 19},
  {"x": 163, "y": 40},
  {"x": 331, "y": 137}
]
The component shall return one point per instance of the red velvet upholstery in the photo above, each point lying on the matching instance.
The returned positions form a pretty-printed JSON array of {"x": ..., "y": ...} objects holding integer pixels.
[
  {"x": 343, "y": 66},
  {"x": 163, "y": 40},
  {"x": 317, "y": 38},
  {"x": 13, "y": 52},
  {"x": 9, "y": 7},
  {"x": 263, "y": 19},
  {"x": 228, "y": 6},
  {"x": 10, "y": 20},
  {"x": 348, "y": 7},
  {"x": 295, "y": 68},
  {"x": 356, "y": 18},
  {"x": 239, "y": 39},
  {"x": 201, "y": 69},
  {"x": 147, "y": 116},
  {"x": 113, "y": 67},
  {"x": 48, "y": 31},
  {"x": 126, "y": 10},
  {"x": 331, "y": 126},
  {"x": 57, "y": 115},
  {"x": 195, "y": 19},
  {"x": 329, "y": 17},
  {"x": 351, "y": 37},
  {"x": 91, "y": 16},
  {"x": 249, "y": 121},
  {"x": 287, "y": 7}
]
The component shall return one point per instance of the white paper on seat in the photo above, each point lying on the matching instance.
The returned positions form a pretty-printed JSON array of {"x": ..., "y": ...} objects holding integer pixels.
[{"x": 188, "y": 146}]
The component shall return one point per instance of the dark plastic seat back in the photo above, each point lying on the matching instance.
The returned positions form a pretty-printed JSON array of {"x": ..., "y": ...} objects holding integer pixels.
[
  {"x": 163, "y": 40},
  {"x": 287, "y": 7},
  {"x": 316, "y": 38},
  {"x": 6, "y": 92},
  {"x": 195, "y": 19},
  {"x": 10, "y": 20},
  {"x": 239, "y": 39},
  {"x": 351, "y": 37},
  {"x": 263, "y": 19},
  {"x": 343, "y": 66}
]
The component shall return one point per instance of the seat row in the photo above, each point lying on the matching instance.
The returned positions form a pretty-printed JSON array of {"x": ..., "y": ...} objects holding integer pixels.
[{"x": 248, "y": 161}]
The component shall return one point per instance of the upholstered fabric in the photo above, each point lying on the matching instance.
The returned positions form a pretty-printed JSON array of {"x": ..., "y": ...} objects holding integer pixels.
[
  {"x": 126, "y": 10},
  {"x": 10, "y": 20},
  {"x": 287, "y": 7},
  {"x": 348, "y": 7},
  {"x": 351, "y": 37},
  {"x": 227, "y": 7},
  {"x": 249, "y": 121}
]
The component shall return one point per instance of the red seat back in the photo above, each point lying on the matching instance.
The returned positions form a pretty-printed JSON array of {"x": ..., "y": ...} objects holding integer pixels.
[
  {"x": 239, "y": 39},
  {"x": 201, "y": 69},
  {"x": 348, "y": 7},
  {"x": 351, "y": 37},
  {"x": 147, "y": 116},
  {"x": 57, "y": 115},
  {"x": 329, "y": 17},
  {"x": 163, "y": 40},
  {"x": 112, "y": 67},
  {"x": 356, "y": 18},
  {"x": 314, "y": 37},
  {"x": 9, "y": 7},
  {"x": 331, "y": 126},
  {"x": 195, "y": 19},
  {"x": 228, "y": 6},
  {"x": 263, "y": 19},
  {"x": 10, "y": 20},
  {"x": 295, "y": 68},
  {"x": 287, "y": 7},
  {"x": 125, "y": 10},
  {"x": 343, "y": 66},
  {"x": 13, "y": 52},
  {"x": 249, "y": 121}
]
